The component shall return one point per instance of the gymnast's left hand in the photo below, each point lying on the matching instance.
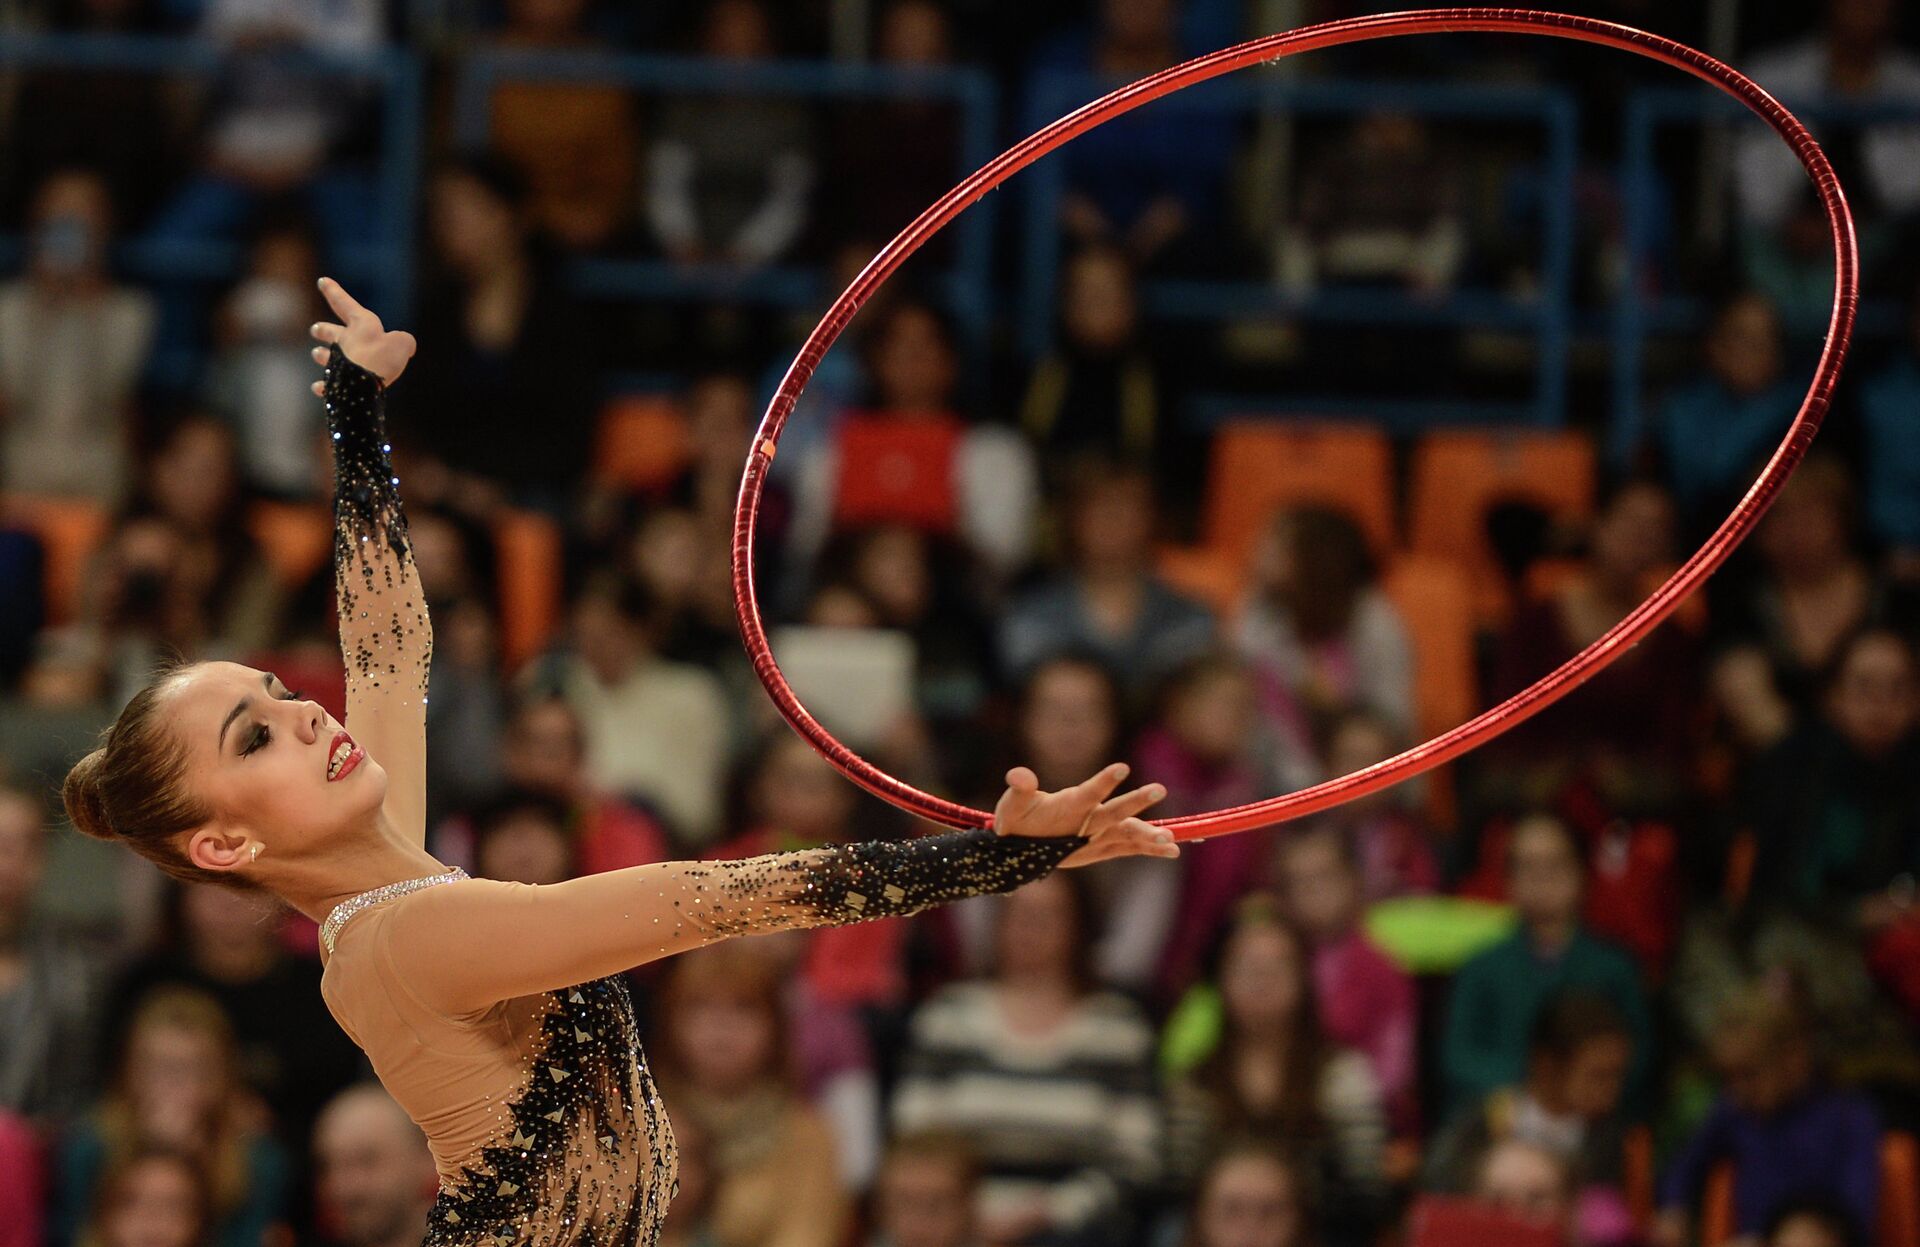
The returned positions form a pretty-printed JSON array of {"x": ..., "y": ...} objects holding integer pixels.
[
  {"x": 360, "y": 337},
  {"x": 1110, "y": 824}
]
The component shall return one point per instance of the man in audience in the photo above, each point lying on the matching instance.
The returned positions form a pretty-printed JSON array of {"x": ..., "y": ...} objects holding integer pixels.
[
  {"x": 375, "y": 1176},
  {"x": 925, "y": 1193}
]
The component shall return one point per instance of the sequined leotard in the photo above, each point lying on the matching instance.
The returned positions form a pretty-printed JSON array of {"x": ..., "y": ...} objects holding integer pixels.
[{"x": 494, "y": 1012}]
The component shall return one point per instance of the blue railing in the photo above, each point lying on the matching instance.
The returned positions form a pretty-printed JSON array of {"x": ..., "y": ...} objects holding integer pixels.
[
  {"x": 383, "y": 266},
  {"x": 1636, "y": 315},
  {"x": 965, "y": 286},
  {"x": 1548, "y": 314}
]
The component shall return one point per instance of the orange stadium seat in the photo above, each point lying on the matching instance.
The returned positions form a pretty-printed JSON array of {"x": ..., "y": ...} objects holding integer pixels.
[
  {"x": 70, "y": 531},
  {"x": 1458, "y": 476},
  {"x": 641, "y": 443},
  {"x": 529, "y": 555},
  {"x": 1204, "y": 574},
  {"x": 1261, "y": 466},
  {"x": 1637, "y": 1176},
  {"x": 296, "y": 537},
  {"x": 1899, "y": 1197},
  {"x": 1433, "y": 597}
]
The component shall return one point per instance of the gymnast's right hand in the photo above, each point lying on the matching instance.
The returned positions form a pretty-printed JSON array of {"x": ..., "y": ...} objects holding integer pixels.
[
  {"x": 1088, "y": 809},
  {"x": 361, "y": 338}
]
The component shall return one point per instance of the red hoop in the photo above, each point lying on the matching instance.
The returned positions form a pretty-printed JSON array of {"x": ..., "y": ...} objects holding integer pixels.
[{"x": 1487, "y": 724}]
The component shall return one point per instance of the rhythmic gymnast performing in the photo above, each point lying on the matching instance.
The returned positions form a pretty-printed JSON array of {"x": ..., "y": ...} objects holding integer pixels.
[{"x": 495, "y": 1013}]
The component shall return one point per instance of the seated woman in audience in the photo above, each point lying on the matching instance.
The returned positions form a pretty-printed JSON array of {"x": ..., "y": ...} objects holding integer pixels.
[
  {"x": 1049, "y": 1079},
  {"x": 157, "y": 1196},
  {"x": 177, "y": 1087},
  {"x": 1317, "y": 623},
  {"x": 1787, "y": 1134},
  {"x": 1570, "y": 1104},
  {"x": 1391, "y": 839},
  {"x": 1269, "y": 1070},
  {"x": 775, "y": 1180},
  {"x": 1251, "y": 1194}
]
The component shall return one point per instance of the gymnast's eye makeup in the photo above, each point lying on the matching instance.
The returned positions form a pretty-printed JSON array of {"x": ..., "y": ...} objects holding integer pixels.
[{"x": 262, "y": 734}]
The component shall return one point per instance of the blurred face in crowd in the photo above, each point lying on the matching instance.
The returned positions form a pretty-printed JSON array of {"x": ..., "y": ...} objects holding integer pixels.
[
  {"x": 1861, "y": 26},
  {"x": 669, "y": 552},
  {"x": 1743, "y": 350},
  {"x": 1262, "y": 977},
  {"x": 71, "y": 218},
  {"x": 1526, "y": 1181},
  {"x": 1101, "y": 308},
  {"x": 1135, "y": 22},
  {"x": 1873, "y": 701},
  {"x": 23, "y": 858},
  {"x": 1112, "y": 524},
  {"x": 725, "y": 1038},
  {"x": 738, "y": 30},
  {"x": 526, "y": 847},
  {"x": 914, "y": 32},
  {"x": 176, "y": 1077},
  {"x": 157, "y": 1205},
  {"x": 439, "y": 556},
  {"x": 914, "y": 366},
  {"x": 721, "y": 416},
  {"x": 1806, "y": 1230},
  {"x": 1322, "y": 888},
  {"x": 1070, "y": 722},
  {"x": 222, "y": 920},
  {"x": 1588, "y": 1082},
  {"x": 472, "y": 227},
  {"x": 924, "y": 1200},
  {"x": 262, "y": 763},
  {"x": 1634, "y": 536},
  {"x": 545, "y": 748},
  {"x": 608, "y": 640},
  {"x": 1214, "y": 714},
  {"x": 1544, "y": 879},
  {"x": 374, "y": 1172},
  {"x": 892, "y": 570},
  {"x": 1762, "y": 1072},
  {"x": 801, "y": 795},
  {"x": 1038, "y": 932},
  {"x": 192, "y": 478},
  {"x": 1248, "y": 1200},
  {"x": 1804, "y": 536},
  {"x": 277, "y": 301}
]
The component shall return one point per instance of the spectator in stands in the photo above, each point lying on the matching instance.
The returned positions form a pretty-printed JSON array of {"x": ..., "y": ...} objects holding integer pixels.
[
  {"x": 1892, "y": 468},
  {"x": 277, "y": 126},
  {"x": 729, "y": 178},
  {"x": 1318, "y": 624},
  {"x": 1102, "y": 389},
  {"x": 158, "y": 1196},
  {"x": 1787, "y": 1135},
  {"x": 1812, "y": 589},
  {"x": 178, "y": 1085},
  {"x": 1391, "y": 840},
  {"x": 1047, "y": 1077},
  {"x": 1835, "y": 807},
  {"x": 1381, "y": 206},
  {"x": 926, "y": 1193},
  {"x": 1154, "y": 183},
  {"x": 574, "y": 141},
  {"x": 1250, "y": 1195},
  {"x": 656, "y": 730},
  {"x": 1529, "y": 1182},
  {"x": 523, "y": 837},
  {"x": 1263, "y": 1065},
  {"x": 1570, "y": 1105},
  {"x": 257, "y": 379},
  {"x": 1106, "y": 599},
  {"x": 73, "y": 345},
  {"x": 1627, "y": 732},
  {"x": 375, "y": 1176},
  {"x": 51, "y": 983},
  {"x": 724, "y": 1064},
  {"x": 1497, "y": 995},
  {"x": 937, "y": 471},
  {"x": 1366, "y": 1002},
  {"x": 455, "y": 558},
  {"x": 1811, "y": 1223},
  {"x": 231, "y": 946},
  {"x": 1713, "y": 432},
  {"x": 122, "y": 125},
  {"x": 507, "y": 340}
]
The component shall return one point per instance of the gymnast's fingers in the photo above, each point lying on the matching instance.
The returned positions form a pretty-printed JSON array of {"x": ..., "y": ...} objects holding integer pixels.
[
  {"x": 319, "y": 389},
  {"x": 1099, "y": 787},
  {"x": 321, "y": 356},
  {"x": 343, "y": 304},
  {"x": 327, "y": 331},
  {"x": 1022, "y": 794},
  {"x": 1133, "y": 838},
  {"x": 1123, "y": 807}
]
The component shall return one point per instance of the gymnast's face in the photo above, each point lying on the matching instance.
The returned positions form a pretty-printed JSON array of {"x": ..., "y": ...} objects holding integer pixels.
[{"x": 261, "y": 760}]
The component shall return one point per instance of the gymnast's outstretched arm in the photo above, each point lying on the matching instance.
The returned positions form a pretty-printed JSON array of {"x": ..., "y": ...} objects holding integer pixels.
[
  {"x": 463, "y": 946},
  {"x": 386, "y": 639}
]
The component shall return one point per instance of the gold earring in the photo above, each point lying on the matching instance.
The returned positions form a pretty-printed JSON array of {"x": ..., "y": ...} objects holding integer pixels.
[{"x": 256, "y": 851}]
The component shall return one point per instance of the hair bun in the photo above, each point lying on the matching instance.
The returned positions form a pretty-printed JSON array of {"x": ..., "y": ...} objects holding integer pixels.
[{"x": 82, "y": 796}]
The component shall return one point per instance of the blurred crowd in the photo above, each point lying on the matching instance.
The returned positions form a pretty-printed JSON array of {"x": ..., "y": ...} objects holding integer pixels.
[{"x": 1644, "y": 970}]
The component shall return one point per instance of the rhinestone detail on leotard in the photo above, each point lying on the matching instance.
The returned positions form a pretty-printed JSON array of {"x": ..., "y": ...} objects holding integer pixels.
[{"x": 338, "y": 915}]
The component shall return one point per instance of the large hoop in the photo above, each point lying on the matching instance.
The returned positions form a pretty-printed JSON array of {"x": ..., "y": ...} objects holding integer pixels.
[{"x": 1488, "y": 723}]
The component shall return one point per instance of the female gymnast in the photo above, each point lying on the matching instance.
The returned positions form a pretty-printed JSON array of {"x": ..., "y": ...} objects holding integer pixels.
[{"x": 495, "y": 1013}]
